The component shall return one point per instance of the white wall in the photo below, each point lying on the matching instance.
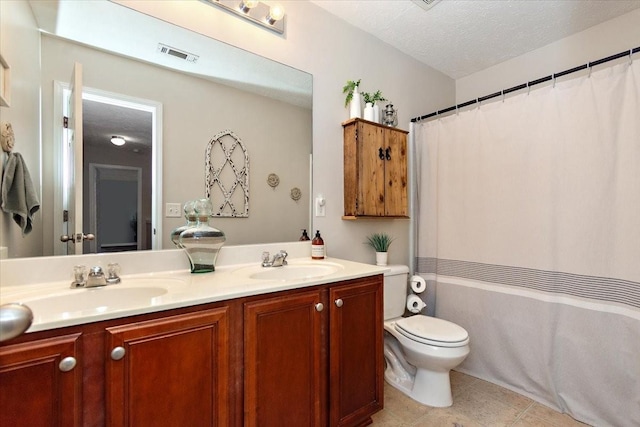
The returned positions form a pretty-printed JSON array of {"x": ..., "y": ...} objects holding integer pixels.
[
  {"x": 17, "y": 23},
  {"x": 333, "y": 52},
  {"x": 610, "y": 37}
]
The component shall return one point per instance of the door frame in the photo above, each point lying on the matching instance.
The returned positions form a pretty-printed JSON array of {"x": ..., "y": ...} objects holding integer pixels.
[{"x": 60, "y": 94}]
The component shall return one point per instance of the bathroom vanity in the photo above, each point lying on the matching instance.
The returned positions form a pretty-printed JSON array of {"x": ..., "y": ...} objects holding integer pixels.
[{"x": 223, "y": 349}]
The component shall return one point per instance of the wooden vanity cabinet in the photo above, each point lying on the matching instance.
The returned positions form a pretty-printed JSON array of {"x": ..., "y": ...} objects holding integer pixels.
[
  {"x": 356, "y": 364},
  {"x": 305, "y": 357},
  {"x": 39, "y": 384},
  {"x": 314, "y": 358},
  {"x": 284, "y": 364},
  {"x": 169, "y": 371},
  {"x": 375, "y": 170}
]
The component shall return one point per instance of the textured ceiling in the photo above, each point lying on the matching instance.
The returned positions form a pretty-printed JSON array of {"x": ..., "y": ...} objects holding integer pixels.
[{"x": 461, "y": 37}]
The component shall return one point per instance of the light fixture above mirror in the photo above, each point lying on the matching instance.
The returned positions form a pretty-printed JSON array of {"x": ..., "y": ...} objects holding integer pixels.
[{"x": 267, "y": 16}]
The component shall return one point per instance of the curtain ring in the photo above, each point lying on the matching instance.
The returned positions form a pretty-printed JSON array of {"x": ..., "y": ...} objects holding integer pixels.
[
  {"x": 630, "y": 56},
  {"x": 502, "y": 91}
]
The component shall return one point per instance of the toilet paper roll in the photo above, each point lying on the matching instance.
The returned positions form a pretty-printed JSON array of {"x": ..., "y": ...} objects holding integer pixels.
[
  {"x": 418, "y": 285},
  {"x": 415, "y": 304}
]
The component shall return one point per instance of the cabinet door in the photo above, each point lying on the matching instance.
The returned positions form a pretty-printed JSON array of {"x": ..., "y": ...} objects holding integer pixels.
[
  {"x": 356, "y": 351},
  {"x": 371, "y": 190},
  {"x": 36, "y": 389},
  {"x": 172, "y": 371},
  {"x": 395, "y": 192},
  {"x": 284, "y": 369}
]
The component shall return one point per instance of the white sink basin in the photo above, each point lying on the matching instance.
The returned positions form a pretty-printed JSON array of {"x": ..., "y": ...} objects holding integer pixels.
[
  {"x": 95, "y": 300},
  {"x": 295, "y": 272},
  {"x": 136, "y": 293}
]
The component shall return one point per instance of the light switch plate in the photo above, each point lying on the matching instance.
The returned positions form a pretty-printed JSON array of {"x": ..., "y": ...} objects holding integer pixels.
[
  {"x": 173, "y": 210},
  {"x": 320, "y": 205}
]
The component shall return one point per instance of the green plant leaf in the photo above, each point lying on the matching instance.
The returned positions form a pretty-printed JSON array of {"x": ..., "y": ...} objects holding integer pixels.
[
  {"x": 379, "y": 241},
  {"x": 349, "y": 88}
]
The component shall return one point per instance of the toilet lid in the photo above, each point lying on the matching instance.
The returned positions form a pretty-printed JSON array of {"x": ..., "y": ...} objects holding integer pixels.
[{"x": 432, "y": 331}]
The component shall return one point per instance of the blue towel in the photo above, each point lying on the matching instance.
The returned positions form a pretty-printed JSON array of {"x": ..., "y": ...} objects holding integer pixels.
[{"x": 18, "y": 196}]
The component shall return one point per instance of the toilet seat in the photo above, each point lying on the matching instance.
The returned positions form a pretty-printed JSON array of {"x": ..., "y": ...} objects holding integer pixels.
[{"x": 432, "y": 331}]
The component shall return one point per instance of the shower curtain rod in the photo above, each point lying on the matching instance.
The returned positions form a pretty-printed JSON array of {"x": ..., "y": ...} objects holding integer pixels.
[{"x": 629, "y": 53}]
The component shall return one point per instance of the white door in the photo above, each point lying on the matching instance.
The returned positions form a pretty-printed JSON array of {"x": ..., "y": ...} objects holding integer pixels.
[{"x": 75, "y": 235}]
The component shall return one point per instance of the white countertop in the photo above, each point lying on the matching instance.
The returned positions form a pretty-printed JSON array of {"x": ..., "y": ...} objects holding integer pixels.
[{"x": 55, "y": 304}]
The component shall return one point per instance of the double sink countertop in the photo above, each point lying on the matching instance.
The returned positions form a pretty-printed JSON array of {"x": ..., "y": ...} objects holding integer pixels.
[{"x": 55, "y": 304}]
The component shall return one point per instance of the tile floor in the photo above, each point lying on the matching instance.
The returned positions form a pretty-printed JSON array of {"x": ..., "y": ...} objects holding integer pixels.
[{"x": 476, "y": 403}]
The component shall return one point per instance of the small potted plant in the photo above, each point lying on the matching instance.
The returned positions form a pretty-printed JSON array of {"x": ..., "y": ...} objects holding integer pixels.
[
  {"x": 353, "y": 98},
  {"x": 380, "y": 242},
  {"x": 371, "y": 109}
]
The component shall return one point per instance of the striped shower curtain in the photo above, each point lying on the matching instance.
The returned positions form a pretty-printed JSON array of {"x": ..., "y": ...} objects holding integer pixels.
[{"x": 529, "y": 237}]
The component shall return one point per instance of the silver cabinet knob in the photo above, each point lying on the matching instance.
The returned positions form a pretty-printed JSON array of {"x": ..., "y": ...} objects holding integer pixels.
[
  {"x": 319, "y": 306},
  {"x": 117, "y": 353},
  {"x": 339, "y": 302},
  {"x": 67, "y": 364}
]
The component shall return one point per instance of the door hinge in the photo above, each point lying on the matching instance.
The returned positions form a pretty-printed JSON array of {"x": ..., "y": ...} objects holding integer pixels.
[
  {"x": 65, "y": 215},
  {"x": 65, "y": 122}
]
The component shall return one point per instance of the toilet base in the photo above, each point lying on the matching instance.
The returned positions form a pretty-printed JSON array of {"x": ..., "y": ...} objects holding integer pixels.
[{"x": 428, "y": 388}]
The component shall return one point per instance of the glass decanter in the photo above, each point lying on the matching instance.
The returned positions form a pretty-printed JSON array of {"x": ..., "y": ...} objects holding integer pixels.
[
  {"x": 202, "y": 242},
  {"x": 192, "y": 219}
]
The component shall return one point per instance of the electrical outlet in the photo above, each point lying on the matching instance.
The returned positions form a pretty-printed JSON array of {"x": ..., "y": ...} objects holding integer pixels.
[{"x": 173, "y": 210}]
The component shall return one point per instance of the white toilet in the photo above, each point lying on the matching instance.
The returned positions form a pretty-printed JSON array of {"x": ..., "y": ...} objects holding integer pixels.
[{"x": 419, "y": 350}]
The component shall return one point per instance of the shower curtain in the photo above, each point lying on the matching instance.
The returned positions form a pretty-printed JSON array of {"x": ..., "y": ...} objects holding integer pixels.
[{"x": 528, "y": 234}]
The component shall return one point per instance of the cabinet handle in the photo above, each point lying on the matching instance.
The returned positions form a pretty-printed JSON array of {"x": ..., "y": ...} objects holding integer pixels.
[
  {"x": 118, "y": 353},
  {"x": 339, "y": 302},
  {"x": 319, "y": 306},
  {"x": 381, "y": 153},
  {"x": 388, "y": 152},
  {"x": 67, "y": 364}
]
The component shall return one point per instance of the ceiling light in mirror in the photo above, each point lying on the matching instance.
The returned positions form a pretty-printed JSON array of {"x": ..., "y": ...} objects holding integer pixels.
[{"x": 118, "y": 140}]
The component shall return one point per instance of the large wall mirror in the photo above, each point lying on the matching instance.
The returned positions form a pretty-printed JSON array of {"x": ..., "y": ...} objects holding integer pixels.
[{"x": 167, "y": 91}]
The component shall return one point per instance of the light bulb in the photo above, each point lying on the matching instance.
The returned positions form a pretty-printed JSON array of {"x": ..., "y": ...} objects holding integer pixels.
[
  {"x": 245, "y": 5},
  {"x": 276, "y": 13},
  {"x": 117, "y": 140}
]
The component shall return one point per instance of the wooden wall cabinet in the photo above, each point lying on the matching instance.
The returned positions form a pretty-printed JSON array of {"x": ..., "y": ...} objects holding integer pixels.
[{"x": 375, "y": 170}]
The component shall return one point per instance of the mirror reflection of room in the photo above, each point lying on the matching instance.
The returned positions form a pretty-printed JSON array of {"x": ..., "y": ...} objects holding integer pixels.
[{"x": 266, "y": 104}]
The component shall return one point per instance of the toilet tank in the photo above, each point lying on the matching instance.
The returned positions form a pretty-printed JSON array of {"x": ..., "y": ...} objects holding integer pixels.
[{"x": 395, "y": 290}]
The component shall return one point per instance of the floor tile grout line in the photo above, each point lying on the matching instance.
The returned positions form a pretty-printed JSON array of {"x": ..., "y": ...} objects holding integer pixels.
[{"x": 524, "y": 411}]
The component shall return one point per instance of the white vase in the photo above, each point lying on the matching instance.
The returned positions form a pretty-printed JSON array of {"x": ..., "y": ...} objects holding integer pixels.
[
  {"x": 355, "y": 107},
  {"x": 368, "y": 111},
  {"x": 381, "y": 258},
  {"x": 376, "y": 113}
]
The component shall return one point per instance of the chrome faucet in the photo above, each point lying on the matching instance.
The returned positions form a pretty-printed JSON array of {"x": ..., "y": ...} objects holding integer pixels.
[
  {"x": 96, "y": 276},
  {"x": 278, "y": 260}
]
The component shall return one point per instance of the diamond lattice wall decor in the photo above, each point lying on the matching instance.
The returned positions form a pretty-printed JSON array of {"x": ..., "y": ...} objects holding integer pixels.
[{"x": 227, "y": 175}]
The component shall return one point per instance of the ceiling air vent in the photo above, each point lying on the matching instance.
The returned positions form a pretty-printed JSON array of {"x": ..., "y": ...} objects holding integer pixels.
[
  {"x": 426, "y": 4},
  {"x": 181, "y": 54}
]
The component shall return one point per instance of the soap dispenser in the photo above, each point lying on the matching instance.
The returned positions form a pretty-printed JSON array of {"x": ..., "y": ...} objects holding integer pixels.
[
  {"x": 317, "y": 246},
  {"x": 304, "y": 236}
]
